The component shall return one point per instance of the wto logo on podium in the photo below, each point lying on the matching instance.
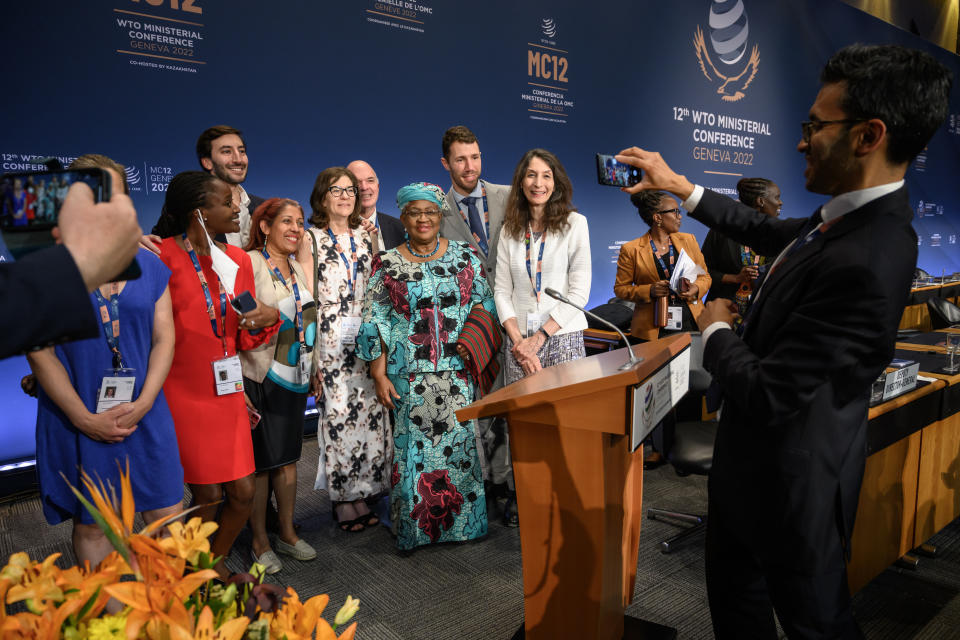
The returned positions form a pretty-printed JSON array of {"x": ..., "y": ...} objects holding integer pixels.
[{"x": 729, "y": 32}]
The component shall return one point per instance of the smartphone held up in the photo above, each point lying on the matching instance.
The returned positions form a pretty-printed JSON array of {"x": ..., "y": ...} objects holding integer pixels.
[{"x": 616, "y": 174}]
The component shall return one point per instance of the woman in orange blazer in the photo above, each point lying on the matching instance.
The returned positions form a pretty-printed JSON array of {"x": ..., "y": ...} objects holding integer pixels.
[{"x": 643, "y": 275}]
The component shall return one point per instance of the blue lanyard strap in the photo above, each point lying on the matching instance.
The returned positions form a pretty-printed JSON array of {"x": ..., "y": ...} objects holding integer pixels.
[
  {"x": 296, "y": 291},
  {"x": 535, "y": 282},
  {"x": 110, "y": 318},
  {"x": 206, "y": 295},
  {"x": 351, "y": 279},
  {"x": 659, "y": 259}
]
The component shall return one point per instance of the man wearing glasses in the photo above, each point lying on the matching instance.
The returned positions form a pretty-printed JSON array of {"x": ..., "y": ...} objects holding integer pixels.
[
  {"x": 473, "y": 213},
  {"x": 790, "y": 448},
  {"x": 222, "y": 151}
]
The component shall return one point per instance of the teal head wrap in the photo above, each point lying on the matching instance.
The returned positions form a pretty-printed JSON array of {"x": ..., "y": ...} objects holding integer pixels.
[{"x": 419, "y": 191}]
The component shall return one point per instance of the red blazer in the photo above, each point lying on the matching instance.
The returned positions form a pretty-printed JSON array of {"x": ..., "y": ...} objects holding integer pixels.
[{"x": 637, "y": 270}]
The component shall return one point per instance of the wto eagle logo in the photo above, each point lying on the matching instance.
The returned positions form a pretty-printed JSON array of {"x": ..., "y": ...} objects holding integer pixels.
[
  {"x": 549, "y": 27},
  {"x": 728, "y": 39}
]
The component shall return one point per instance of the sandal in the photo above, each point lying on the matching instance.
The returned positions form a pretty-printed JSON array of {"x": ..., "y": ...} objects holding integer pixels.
[
  {"x": 370, "y": 519},
  {"x": 348, "y": 525}
]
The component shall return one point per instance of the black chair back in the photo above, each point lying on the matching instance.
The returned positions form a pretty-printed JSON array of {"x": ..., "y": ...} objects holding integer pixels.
[{"x": 943, "y": 313}]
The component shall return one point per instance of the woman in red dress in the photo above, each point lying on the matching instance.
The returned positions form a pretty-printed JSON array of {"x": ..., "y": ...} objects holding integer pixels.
[{"x": 205, "y": 388}]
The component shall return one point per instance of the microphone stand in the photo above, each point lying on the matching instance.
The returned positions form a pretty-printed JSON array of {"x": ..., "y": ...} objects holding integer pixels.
[{"x": 634, "y": 360}]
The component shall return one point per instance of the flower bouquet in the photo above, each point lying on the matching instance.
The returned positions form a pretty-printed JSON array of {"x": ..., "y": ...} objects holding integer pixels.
[{"x": 174, "y": 594}]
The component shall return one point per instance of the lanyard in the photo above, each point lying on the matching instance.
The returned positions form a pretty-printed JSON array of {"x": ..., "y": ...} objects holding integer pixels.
[
  {"x": 110, "y": 317},
  {"x": 296, "y": 291},
  {"x": 351, "y": 279},
  {"x": 486, "y": 216},
  {"x": 209, "y": 299},
  {"x": 659, "y": 259},
  {"x": 536, "y": 283}
]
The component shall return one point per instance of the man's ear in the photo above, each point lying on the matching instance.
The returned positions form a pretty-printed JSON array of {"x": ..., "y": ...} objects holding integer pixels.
[
  {"x": 446, "y": 165},
  {"x": 872, "y": 136},
  {"x": 206, "y": 163}
]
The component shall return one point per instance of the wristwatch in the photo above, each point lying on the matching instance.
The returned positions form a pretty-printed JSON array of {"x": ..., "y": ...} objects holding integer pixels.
[{"x": 546, "y": 336}]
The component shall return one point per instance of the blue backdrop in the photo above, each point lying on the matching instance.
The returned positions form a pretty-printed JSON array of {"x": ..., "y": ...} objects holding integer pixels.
[{"x": 319, "y": 84}]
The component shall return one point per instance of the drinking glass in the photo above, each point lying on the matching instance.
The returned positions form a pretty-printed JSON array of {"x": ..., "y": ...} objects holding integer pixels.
[{"x": 953, "y": 353}]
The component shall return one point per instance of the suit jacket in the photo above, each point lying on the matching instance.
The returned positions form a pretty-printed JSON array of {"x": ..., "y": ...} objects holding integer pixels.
[
  {"x": 792, "y": 438},
  {"x": 454, "y": 227},
  {"x": 51, "y": 302},
  {"x": 392, "y": 232},
  {"x": 637, "y": 270},
  {"x": 722, "y": 256}
]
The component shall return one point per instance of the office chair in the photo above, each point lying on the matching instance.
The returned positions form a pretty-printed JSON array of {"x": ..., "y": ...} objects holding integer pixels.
[
  {"x": 943, "y": 313},
  {"x": 689, "y": 448}
]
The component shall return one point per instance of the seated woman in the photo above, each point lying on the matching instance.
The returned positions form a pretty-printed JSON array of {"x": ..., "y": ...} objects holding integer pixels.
[
  {"x": 101, "y": 401},
  {"x": 544, "y": 244},
  {"x": 646, "y": 263},
  {"x": 417, "y": 300},
  {"x": 278, "y": 375},
  {"x": 205, "y": 385},
  {"x": 734, "y": 267}
]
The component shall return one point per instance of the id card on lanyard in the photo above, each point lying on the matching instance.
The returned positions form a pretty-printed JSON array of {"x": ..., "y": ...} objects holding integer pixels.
[
  {"x": 117, "y": 384},
  {"x": 304, "y": 361},
  {"x": 674, "y": 312},
  {"x": 227, "y": 376}
]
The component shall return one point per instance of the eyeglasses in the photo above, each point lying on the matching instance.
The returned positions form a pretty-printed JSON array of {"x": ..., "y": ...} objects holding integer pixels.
[
  {"x": 417, "y": 213},
  {"x": 674, "y": 211},
  {"x": 336, "y": 192},
  {"x": 810, "y": 127}
]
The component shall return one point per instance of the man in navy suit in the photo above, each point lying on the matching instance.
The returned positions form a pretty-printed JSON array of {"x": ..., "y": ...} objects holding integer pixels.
[
  {"x": 791, "y": 444},
  {"x": 390, "y": 231}
]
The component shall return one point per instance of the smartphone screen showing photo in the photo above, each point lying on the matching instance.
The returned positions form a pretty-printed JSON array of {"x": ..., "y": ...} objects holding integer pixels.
[
  {"x": 30, "y": 206},
  {"x": 616, "y": 174}
]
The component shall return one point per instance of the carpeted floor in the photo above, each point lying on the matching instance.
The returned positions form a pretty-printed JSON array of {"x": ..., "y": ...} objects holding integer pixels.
[{"x": 474, "y": 591}]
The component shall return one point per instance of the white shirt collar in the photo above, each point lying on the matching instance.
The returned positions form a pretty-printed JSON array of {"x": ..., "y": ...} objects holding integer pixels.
[
  {"x": 851, "y": 200},
  {"x": 476, "y": 193}
]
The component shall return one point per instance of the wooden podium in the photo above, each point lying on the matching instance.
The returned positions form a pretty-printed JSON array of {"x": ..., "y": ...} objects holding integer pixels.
[{"x": 579, "y": 491}]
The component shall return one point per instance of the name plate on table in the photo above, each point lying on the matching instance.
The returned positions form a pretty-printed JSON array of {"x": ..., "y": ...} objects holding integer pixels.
[
  {"x": 655, "y": 396},
  {"x": 890, "y": 384}
]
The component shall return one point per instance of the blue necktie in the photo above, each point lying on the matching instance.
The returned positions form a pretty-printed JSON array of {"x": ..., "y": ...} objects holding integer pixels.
[{"x": 476, "y": 224}]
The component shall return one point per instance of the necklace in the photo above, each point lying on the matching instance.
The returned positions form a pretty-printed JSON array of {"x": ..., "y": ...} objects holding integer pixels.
[{"x": 423, "y": 255}]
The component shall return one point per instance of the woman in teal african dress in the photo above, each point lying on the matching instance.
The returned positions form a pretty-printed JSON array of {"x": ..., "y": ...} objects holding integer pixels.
[{"x": 416, "y": 301}]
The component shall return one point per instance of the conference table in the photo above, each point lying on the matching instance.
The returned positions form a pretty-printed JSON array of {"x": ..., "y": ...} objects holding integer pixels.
[
  {"x": 911, "y": 480},
  {"x": 915, "y": 314}
]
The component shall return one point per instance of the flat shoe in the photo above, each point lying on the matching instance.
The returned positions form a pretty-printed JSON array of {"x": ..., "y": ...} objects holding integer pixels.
[
  {"x": 271, "y": 563},
  {"x": 299, "y": 551}
]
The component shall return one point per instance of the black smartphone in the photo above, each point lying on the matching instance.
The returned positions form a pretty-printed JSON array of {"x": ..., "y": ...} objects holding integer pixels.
[
  {"x": 30, "y": 207},
  {"x": 616, "y": 174},
  {"x": 244, "y": 302}
]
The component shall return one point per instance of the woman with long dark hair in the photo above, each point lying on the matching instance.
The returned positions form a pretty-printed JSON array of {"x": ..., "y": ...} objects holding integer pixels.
[
  {"x": 544, "y": 244},
  {"x": 205, "y": 385}
]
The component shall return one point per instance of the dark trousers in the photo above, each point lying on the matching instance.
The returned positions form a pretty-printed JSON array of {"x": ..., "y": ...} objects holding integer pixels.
[{"x": 745, "y": 583}]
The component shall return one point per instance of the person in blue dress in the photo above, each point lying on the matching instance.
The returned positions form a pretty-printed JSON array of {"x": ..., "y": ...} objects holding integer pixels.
[
  {"x": 133, "y": 425},
  {"x": 417, "y": 299}
]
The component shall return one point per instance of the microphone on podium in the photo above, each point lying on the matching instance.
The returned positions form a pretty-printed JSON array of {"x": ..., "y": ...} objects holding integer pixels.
[{"x": 634, "y": 360}]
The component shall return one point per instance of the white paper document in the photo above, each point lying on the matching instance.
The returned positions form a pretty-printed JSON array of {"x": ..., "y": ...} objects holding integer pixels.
[{"x": 685, "y": 268}]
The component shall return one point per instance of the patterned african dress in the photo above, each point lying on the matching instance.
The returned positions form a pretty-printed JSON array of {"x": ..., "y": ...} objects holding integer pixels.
[
  {"x": 354, "y": 435},
  {"x": 418, "y": 309}
]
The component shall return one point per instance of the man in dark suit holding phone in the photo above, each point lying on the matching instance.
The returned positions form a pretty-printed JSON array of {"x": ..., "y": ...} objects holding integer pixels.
[{"x": 791, "y": 444}]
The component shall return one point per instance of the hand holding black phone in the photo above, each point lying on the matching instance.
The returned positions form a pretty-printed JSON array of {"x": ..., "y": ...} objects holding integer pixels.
[{"x": 616, "y": 174}]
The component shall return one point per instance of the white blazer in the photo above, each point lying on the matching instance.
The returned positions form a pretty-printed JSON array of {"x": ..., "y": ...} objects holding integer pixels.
[{"x": 566, "y": 268}]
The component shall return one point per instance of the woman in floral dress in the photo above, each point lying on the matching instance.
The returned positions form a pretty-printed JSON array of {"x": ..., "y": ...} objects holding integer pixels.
[
  {"x": 355, "y": 443},
  {"x": 415, "y": 305}
]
